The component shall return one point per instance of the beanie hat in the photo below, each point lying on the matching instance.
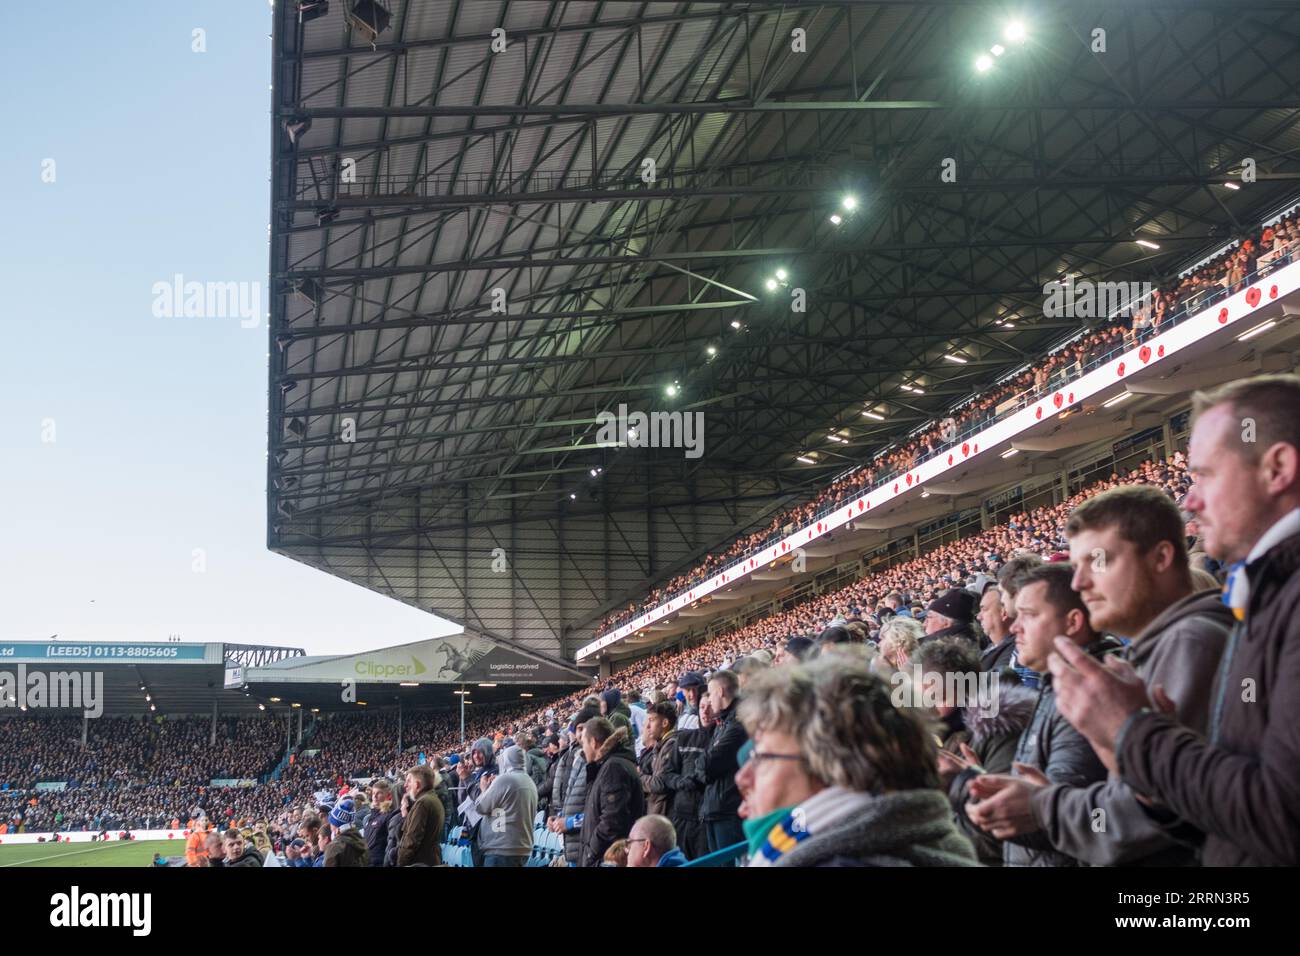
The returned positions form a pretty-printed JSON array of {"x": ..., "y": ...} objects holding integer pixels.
[
  {"x": 342, "y": 814},
  {"x": 956, "y": 604}
]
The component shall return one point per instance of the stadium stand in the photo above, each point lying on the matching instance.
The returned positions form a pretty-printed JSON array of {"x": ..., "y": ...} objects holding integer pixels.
[{"x": 1269, "y": 248}]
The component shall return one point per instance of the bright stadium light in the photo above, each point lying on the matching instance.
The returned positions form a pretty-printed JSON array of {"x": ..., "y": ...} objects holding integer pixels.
[
  {"x": 671, "y": 390},
  {"x": 1015, "y": 32},
  {"x": 771, "y": 286},
  {"x": 735, "y": 324},
  {"x": 408, "y": 683},
  {"x": 572, "y": 496},
  {"x": 805, "y": 459},
  {"x": 998, "y": 49},
  {"x": 487, "y": 685},
  {"x": 836, "y": 218},
  {"x": 712, "y": 350},
  {"x": 1257, "y": 330},
  {"x": 984, "y": 63},
  {"x": 1231, "y": 186},
  {"x": 782, "y": 275},
  {"x": 1147, "y": 243},
  {"x": 956, "y": 358},
  {"x": 849, "y": 202},
  {"x": 1122, "y": 396},
  {"x": 873, "y": 415},
  {"x": 1010, "y": 452},
  {"x": 525, "y": 695}
]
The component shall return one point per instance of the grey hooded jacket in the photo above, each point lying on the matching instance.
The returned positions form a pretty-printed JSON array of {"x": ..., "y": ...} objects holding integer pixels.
[
  {"x": 508, "y": 807},
  {"x": 1103, "y": 823}
]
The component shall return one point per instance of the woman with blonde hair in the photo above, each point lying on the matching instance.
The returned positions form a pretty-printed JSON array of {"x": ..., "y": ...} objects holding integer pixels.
[{"x": 839, "y": 776}]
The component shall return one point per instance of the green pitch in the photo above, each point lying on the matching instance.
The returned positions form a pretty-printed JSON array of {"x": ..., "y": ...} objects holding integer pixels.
[{"x": 113, "y": 853}]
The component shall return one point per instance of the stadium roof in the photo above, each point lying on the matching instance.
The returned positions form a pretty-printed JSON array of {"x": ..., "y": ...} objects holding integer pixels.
[{"x": 438, "y": 440}]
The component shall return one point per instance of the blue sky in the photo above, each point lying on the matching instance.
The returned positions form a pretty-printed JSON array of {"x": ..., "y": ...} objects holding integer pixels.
[{"x": 160, "y": 168}]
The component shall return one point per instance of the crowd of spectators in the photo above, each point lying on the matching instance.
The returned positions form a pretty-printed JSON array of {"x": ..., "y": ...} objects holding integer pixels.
[
  {"x": 1267, "y": 249},
  {"x": 850, "y": 730},
  {"x": 156, "y": 772}
]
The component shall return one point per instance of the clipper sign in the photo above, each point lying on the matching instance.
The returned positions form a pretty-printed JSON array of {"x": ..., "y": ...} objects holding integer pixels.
[{"x": 1235, "y": 311}]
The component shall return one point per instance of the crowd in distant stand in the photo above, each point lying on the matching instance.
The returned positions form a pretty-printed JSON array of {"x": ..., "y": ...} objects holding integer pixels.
[{"x": 1267, "y": 249}]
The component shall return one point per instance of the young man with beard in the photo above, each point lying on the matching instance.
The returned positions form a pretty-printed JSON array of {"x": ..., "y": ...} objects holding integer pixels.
[
  {"x": 1239, "y": 783},
  {"x": 1049, "y": 750},
  {"x": 1130, "y": 567},
  {"x": 1130, "y": 559}
]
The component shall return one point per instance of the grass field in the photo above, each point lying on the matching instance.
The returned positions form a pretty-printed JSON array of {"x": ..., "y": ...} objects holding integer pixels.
[{"x": 125, "y": 853}]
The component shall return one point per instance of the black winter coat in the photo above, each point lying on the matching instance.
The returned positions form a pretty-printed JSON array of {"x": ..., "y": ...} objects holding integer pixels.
[
  {"x": 376, "y": 835},
  {"x": 719, "y": 766},
  {"x": 614, "y": 798}
]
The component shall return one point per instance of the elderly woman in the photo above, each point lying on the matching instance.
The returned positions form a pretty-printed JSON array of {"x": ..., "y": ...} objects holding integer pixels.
[
  {"x": 838, "y": 776},
  {"x": 899, "y": 639}
]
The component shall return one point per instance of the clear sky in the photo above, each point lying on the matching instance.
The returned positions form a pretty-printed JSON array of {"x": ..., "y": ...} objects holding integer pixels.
[{"x": 161, "y": 157}]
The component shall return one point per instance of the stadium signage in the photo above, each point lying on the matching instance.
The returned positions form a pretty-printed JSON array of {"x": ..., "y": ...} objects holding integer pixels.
[
  {"x": 39, "y": 651},
  {"x": 371, "y": 668},
  {"x": 1233, "y": 311}
]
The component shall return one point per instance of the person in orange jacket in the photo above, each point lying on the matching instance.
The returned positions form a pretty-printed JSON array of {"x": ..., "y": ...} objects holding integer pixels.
[{"x": 196, "y": 845}]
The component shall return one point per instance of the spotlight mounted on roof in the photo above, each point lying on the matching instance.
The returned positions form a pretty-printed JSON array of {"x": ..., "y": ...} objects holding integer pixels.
[
  {"x": 983, "y": 63},
  {"x": 1015, "y": 32},
  {"x": 296, "y": 126},
  {"x": 312, "y": 9},
  {"x": 369, "y": 19},
  {"x": 1146, "y": 243}
]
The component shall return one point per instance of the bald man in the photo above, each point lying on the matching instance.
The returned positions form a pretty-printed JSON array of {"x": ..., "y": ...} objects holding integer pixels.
[{"x": 653, "y": 842}]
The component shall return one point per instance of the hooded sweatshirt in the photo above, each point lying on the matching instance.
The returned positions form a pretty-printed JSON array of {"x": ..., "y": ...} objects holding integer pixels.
[{"x": 508, "y": 808}]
